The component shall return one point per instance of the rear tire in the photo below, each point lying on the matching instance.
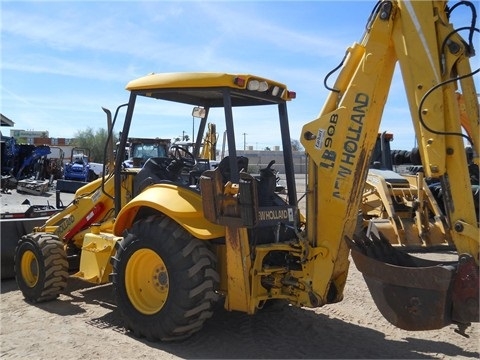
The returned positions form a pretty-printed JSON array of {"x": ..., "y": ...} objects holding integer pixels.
[
  {"x": 164, "y": 280},
  {"x": 41, "y": 267}
]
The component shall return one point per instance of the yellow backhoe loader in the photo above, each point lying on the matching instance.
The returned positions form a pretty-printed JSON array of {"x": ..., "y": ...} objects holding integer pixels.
[{"x": 172, "y": 249}]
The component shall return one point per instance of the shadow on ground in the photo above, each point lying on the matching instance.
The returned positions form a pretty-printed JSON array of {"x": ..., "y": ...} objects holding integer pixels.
[{"x": 281, "y": 332}]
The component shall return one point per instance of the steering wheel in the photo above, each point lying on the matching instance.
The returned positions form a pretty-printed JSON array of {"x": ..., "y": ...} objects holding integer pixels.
[{"x": 183, "y": 156}]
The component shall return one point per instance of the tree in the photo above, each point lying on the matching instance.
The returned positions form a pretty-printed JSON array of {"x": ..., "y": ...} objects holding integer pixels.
[
  {"x": 296, "y": 145},
  {"x": 184, "y": 137},
  {"x": 95, "y": 141}
]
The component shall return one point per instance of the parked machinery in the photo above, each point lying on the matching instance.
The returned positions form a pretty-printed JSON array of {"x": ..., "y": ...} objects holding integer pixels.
[
  {"x": 139, "y": 150},
  {"x": 54, "y": 163},
  {"x": 399, "y": 203},
  {"x": 78, "y": 167}
]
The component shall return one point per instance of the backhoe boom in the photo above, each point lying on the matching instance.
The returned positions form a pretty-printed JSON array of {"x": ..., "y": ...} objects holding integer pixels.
[{"x": 434, "y": 64}]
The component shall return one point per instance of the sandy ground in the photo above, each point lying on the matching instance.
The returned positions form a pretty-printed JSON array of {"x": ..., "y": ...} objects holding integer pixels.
[{"x": 84, "y": 324}]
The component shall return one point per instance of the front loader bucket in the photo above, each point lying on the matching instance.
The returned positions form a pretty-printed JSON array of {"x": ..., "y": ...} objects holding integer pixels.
[
  {"x": 413, "y": 293},
  {"x": 11, "y": 230}
]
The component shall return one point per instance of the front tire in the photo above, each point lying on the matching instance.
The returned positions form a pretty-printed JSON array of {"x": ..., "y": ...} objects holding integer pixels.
[
  {"x": 164, "y": 280},
  {"x": 41, "y": 267}
]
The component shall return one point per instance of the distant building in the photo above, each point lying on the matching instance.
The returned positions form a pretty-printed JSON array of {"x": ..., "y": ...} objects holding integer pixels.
[
  {"x": 6, "y": 121},
  {"x": 259, "y": 159},
  {"x": 40, "y": 138},
  {"x": 28, "y": 136},
  {"x": 37, "y": 138}
]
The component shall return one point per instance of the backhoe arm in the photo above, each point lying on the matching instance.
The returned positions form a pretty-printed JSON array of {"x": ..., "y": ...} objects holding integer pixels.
[
  {"x": 434, "y": 62},
  {"x": 433, "y": 94}
]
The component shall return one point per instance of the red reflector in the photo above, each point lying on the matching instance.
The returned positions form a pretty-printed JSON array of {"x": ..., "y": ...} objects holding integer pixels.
[
  {"x": 239, "y": 81},
  {"x": 86, "y": 221},
  {"x": 292, "y": 95}
]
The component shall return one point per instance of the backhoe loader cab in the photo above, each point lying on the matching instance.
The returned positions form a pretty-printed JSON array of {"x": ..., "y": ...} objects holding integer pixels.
[{"x": 211, "y": 95}]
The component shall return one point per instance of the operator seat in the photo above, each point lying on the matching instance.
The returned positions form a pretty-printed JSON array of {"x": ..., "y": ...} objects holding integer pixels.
[
  {"x": 200, "y": 166},
  {"x": 224, "y": 167},
  {"x": 153, "y": 171}
]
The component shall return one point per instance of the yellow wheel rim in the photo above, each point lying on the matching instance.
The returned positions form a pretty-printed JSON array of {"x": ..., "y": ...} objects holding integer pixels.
[
  {"x": 146, "y": 281},
  {"x": 29, "y": 268}
]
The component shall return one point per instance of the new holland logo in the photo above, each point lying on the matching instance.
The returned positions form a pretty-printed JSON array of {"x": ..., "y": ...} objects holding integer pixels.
[{"x": 273, "y": 214}]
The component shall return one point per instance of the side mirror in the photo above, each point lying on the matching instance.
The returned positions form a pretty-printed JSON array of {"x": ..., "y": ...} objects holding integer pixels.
[{"x": 199, "y": 112}]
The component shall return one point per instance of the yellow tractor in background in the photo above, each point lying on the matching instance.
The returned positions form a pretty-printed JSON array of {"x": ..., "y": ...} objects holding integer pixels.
[
  {"x": 208, "y": 149},
  {"x": 204, "y": 152},
  {"x": 173, "y": 247},
  {"x": 398, "y": 201},
  {"x": 139, "y": 150}
]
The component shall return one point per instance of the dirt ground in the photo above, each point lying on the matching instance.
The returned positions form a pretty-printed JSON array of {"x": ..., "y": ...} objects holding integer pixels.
[{"x": 84, "y": 323}]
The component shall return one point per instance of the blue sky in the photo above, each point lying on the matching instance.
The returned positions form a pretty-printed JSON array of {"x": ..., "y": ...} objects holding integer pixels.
[{"x": 61, "y": 61}]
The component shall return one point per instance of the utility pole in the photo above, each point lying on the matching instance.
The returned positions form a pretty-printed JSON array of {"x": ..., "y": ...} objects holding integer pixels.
[{"x": 244, "y": 141}]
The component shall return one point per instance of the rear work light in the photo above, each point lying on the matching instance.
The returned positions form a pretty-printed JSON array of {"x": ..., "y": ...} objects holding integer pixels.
[{"x": 255, "y": 85}]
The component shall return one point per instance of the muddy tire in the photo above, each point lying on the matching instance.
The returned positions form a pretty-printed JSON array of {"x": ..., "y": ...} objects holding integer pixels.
[
  {"x": 41, "y": 267},
  {"x": 164, "y": 280}
]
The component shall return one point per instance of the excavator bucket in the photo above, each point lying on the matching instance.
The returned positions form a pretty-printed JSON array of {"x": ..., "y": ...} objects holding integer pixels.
[{"x": 414, "y": 293}]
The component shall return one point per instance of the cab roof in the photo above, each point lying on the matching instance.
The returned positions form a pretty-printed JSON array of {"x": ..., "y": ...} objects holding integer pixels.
[{"x": 207, "y": 89}]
